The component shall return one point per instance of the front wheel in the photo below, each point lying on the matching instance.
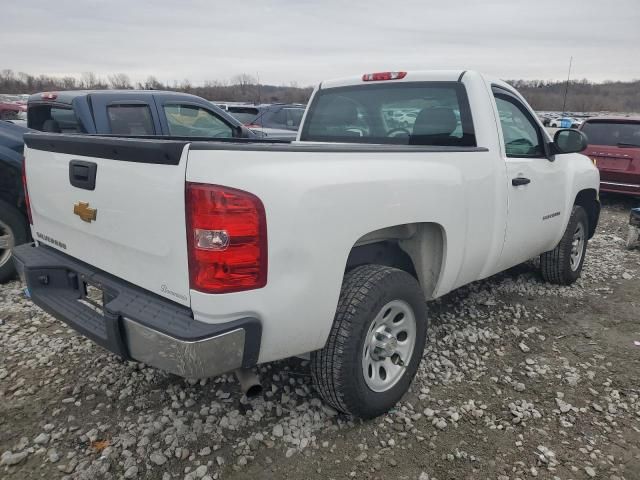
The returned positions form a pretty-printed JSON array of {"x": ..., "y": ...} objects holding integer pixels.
[
  {"x": 375, "y": 344},
  {"x": 563, "y": 264}
]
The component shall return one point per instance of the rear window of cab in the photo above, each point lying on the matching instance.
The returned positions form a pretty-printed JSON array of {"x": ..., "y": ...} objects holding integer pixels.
[
  {"x": 406, "y": 113},
  {"x": 53, "y": 119}
]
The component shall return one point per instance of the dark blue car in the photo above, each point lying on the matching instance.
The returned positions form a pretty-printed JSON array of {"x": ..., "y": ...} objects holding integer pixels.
[{"x": 14, "y": 226}]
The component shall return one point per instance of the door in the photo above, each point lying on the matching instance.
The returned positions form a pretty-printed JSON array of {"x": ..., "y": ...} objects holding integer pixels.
[
  {"x": 125, "y": 113},
  {"x": 535, "y": 183}
]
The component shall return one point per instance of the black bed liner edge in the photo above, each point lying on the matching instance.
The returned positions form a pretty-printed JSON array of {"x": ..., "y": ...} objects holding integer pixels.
[{"x": 168, "y": 150}]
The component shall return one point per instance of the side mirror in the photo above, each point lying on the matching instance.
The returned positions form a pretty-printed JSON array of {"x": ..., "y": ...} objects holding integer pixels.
[
  {"x": 243, "y": 132},
  {"x": 568, "y": 140}
]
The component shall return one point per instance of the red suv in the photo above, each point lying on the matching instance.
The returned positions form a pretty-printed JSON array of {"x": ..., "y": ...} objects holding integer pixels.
[{"x": 614, "y": 146}]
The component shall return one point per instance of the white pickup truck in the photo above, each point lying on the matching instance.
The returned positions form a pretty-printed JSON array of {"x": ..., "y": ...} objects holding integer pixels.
[{"x": 204, "y": 257}]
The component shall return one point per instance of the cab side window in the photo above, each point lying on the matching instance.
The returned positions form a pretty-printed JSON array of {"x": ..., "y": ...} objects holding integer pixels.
[
  {"x": 130, "y": 119},
  {"x": 521, "y": 135}
]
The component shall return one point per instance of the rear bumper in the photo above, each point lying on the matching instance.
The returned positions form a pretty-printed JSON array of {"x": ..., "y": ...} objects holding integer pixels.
[
  {"x": 132, "y": 322},
  {"x": 620, "y": 187}
]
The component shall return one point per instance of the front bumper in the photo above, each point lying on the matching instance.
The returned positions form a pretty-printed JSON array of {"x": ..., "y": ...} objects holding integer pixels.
[{"x": 132, "y": 322}]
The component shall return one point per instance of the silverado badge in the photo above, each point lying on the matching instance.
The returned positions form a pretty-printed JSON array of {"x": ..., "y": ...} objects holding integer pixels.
[{"x": 85, "y": 212}]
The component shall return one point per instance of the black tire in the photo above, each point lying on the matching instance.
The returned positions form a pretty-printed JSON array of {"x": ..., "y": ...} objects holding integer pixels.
[
  {"x": 337, "y": 368},
  {"x": 556, "y": 264},
  {"x": 13, "y": 219}
]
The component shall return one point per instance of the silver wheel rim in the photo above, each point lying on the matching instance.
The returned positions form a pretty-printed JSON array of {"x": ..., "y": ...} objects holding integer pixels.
[
  {"x": 7, "y": 242},
  {"x": 577, "y": 247},
  {"x": 388, "y": 345}
]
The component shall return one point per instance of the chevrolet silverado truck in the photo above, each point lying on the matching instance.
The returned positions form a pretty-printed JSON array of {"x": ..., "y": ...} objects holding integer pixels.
[{"x": 204, "y": 257}]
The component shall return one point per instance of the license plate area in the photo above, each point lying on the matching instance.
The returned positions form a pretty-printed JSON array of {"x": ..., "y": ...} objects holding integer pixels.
[
  {"x": 93, "y": 297},
  {"x": 609, "y": 163}
]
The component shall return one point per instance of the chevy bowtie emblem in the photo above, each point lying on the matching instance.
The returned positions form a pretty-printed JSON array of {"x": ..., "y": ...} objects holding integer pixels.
[{"x": 85, "y": 212}]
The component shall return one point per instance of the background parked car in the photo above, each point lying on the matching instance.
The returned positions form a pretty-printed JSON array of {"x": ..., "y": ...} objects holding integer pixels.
[
  {"x": 131, "y": 112},
  {"x": 614, "y": 146},
  {"x": 565, "y": 122},
  {"x": 545, "y": 119},
  {"x": 276, "y": 121},
  {"x": 12, "y": 110},
  {"x": 14, "y": 225}
]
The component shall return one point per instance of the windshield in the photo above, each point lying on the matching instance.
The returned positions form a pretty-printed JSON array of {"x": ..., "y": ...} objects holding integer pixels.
[
  {"x": 612, "y": 132},
  {"x": 294, "y": 117},
  {"x": 420, "y": 113}
]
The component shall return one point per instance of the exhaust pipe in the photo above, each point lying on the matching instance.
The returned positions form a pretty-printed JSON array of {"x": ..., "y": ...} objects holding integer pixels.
[{"x": 249, "y": 382}]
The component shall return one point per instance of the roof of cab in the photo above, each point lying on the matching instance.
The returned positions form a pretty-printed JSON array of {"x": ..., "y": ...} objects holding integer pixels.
[
  {"x": 411, "y": 76},
  {"x": 419, "y": 76},
  {"x": 67, "y": 96}
]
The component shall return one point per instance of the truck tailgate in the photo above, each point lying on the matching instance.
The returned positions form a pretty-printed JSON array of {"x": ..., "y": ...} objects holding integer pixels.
[{"x": 131, "y": 224}]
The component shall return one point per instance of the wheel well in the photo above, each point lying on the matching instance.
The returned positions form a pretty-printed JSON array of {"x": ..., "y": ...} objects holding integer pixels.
[
  {"x": 588, "y": 199},
  {"x": 387, "y": 253},
  {"x": 416, "y": 248}
]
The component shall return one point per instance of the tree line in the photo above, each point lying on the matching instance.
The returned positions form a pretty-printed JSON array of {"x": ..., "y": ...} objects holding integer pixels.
[
  {"x": 582, "y": 95},
  {"x": 240, "y": 88}
]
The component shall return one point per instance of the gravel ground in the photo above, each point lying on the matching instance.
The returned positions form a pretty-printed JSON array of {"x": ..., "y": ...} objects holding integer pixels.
[{"x": 520, "y": 379}]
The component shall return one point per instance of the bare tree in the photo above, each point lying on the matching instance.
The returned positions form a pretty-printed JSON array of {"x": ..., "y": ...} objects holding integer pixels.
[
  {"x": 185, "y": 86},
  {"x": 152, "y": 83},
  {"x": 245, "y": 83},
  {"x": 69, "y": 83},
  {"x": 89, "y": 80},
  {"x": 120, "y": 81}
]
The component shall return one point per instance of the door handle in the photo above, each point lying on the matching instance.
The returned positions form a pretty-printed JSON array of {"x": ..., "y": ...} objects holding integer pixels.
[{"x": 516, "y": 182}]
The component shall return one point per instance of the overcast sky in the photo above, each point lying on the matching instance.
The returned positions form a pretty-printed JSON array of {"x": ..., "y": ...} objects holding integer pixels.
[{"x": 306, "y": 41}]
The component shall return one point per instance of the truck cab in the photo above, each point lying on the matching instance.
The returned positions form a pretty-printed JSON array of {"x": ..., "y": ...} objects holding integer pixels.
[{"x": 131, "y": 113}]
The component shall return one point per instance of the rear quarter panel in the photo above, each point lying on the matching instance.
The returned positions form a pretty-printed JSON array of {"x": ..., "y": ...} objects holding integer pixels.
[{"x": 318, "y": 204}]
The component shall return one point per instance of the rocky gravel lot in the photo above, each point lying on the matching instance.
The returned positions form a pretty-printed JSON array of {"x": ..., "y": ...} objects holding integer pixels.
[{"x": 520, "y": 379}]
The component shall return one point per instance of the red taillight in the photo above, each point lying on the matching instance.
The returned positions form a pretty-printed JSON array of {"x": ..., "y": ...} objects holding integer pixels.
[
  {"x": 375, "y": 77},
  {"x": 227, "y": 239},
  {"x": 27, "y": 203},
  {"x": 49, "y": 96}
]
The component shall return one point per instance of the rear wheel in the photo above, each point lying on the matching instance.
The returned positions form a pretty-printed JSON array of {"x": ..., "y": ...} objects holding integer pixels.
[
  {"x": 13, "y": 231},
  {"x": 376, "y": 342},
  {"x": 563, "y": 264}
]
